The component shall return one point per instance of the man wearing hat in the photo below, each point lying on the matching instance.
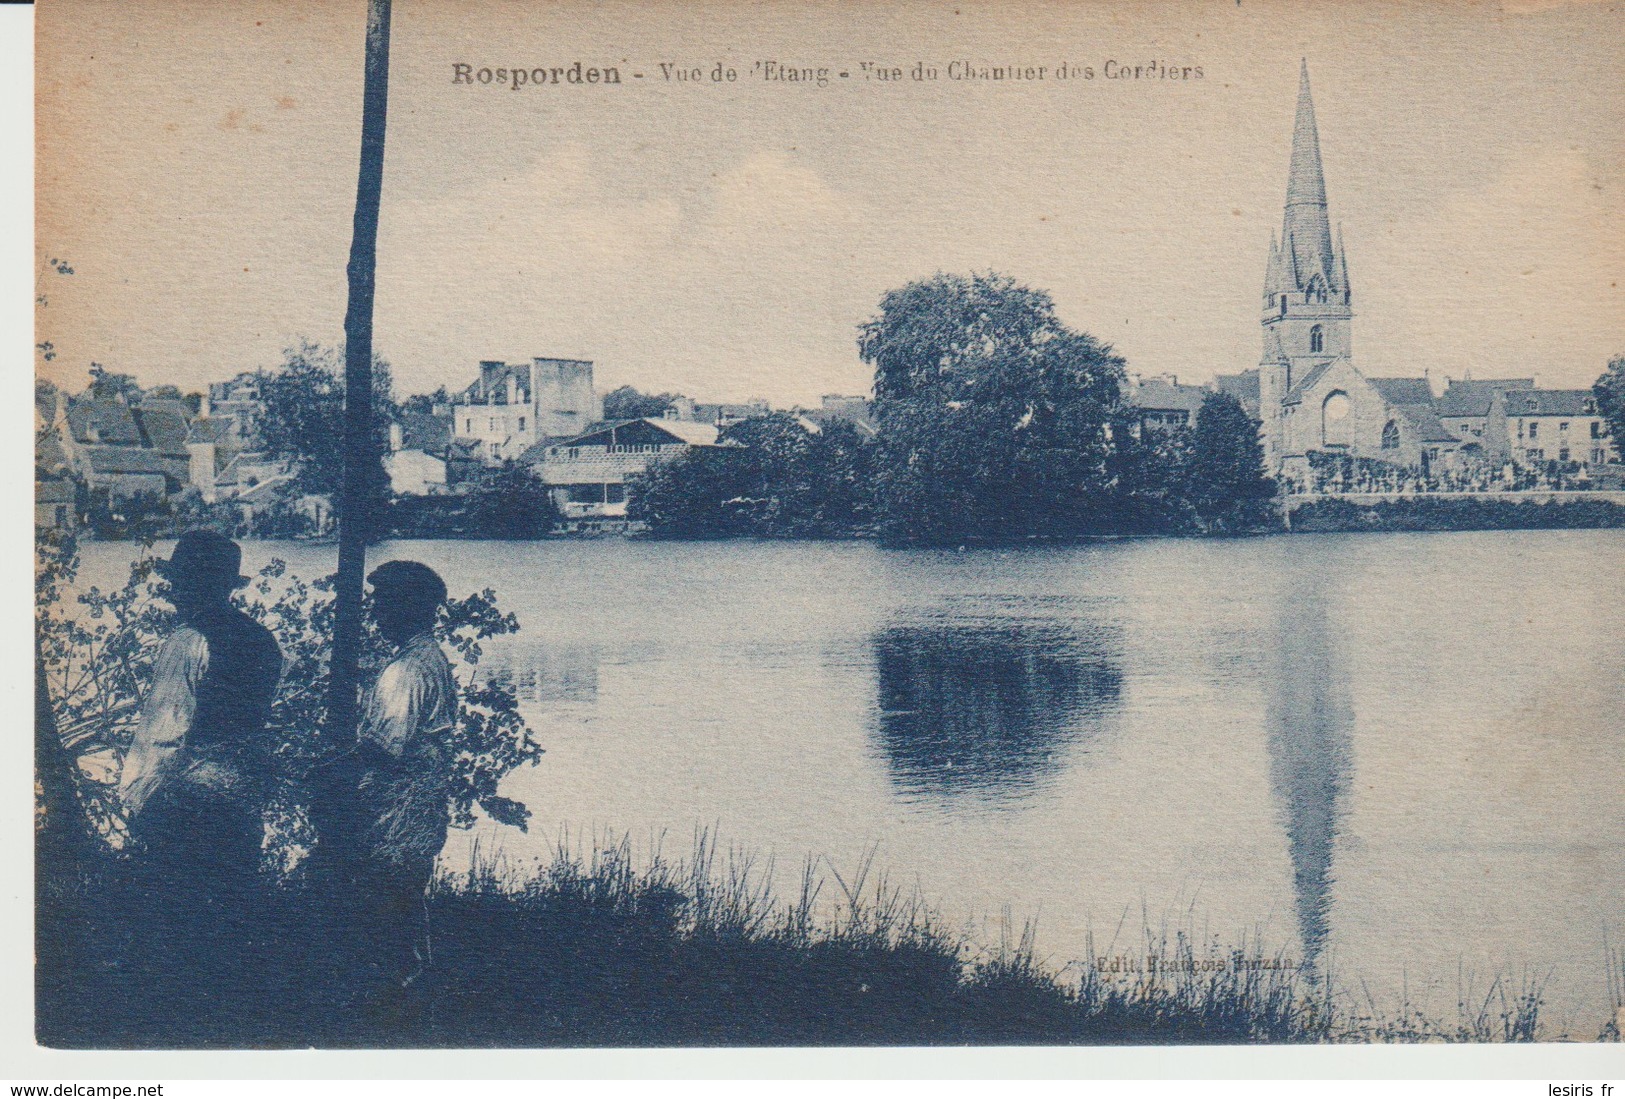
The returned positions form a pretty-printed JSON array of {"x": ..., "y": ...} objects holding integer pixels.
[
  {"x": 405, "y": 743},
  {"x": 195, "y": 780}
]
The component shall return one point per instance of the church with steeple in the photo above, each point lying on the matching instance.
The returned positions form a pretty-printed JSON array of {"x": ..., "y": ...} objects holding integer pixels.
[{"x": 1310, "y": 395}]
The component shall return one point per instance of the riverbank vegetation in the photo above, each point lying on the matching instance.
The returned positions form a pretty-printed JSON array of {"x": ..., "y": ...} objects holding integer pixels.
[
  {"x": 770, "y": 477},
  {"x": 588, "y": 949},
  {"x": 1436, "y": 513}
]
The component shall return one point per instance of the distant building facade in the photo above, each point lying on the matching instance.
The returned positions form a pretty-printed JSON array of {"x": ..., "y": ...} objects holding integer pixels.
[
  {"x": 587, "y": 474},
  {"x": 1531, "y": 427},
  {"x": 425, "y": 459},
  {"x": 511, "y": 407},
  {"x": 837, "y": 408},
  {"x": 1163, "y": 403}
]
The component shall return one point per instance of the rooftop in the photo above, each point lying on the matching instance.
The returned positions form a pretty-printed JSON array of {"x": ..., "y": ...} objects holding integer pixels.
[
  {"x": 1472, "y": 398},
  {"x": 1550, "y": 402}
]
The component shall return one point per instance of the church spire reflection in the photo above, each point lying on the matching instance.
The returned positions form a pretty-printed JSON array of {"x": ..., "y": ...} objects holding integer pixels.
[{"x": 1310, "y": 720}]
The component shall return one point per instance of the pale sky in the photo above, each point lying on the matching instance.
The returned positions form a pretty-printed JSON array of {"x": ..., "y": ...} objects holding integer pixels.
[{"x": 198, "y": 168}]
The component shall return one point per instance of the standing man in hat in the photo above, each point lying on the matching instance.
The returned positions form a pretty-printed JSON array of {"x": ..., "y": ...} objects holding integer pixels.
[
  {"x": 407, "y": 753},
  {"x": 196, "y": 778}
]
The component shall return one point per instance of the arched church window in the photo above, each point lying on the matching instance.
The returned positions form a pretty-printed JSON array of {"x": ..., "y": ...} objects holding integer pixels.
[
  {"x": 1390, "y": 436},
  {"x": 1335, "y": 429},
  {"x": 1317, "y": 338}
]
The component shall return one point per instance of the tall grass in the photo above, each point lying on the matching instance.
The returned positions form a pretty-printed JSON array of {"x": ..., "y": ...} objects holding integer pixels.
[{"x": 593, "y": 946}]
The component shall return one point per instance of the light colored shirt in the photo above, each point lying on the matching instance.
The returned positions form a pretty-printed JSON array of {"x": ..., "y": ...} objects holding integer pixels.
[
  {"x": 410, "y": 713},
  {"x": 166, "y": 718}
]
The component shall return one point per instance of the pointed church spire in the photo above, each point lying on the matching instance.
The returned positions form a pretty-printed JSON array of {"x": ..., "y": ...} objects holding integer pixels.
[
  {"x": 1306, "y": 229},
  {"x": 1273, "y": 283},
  {"x": 1307, "y": 182},
  {"x": 1342, "y": 261}
]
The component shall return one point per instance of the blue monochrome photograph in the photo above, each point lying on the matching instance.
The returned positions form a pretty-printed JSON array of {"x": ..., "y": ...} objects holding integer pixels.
[{"x": 596, "y": 525}]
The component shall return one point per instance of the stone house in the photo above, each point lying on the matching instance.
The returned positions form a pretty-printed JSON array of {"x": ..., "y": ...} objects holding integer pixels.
[
  {"x": 1531, "y": 427},
  {"x": 1464, "y": 407},
  {"x": 510, "y": 408}
]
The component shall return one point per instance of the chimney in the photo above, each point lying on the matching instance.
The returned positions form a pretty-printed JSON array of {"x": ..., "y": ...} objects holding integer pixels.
[{"x": 394, "y": 437}]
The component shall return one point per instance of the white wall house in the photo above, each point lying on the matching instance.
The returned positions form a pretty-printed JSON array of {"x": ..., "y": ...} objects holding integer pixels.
[
  {"x": 587, "y": 474},
  {"x": 512, "y": 407}
]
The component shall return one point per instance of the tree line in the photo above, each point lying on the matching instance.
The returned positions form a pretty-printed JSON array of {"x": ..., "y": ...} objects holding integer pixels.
[
  {"x": 993, "y": 421},
  {"x": 996, "y": 422}
]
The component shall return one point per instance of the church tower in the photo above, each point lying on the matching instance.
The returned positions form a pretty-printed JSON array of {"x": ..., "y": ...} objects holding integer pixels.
[{"x": 1306, "y": 286}]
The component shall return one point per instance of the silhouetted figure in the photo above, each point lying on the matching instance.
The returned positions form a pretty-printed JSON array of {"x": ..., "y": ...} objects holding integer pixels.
[
  {"x": 405, "y": 745},
  {"x": 196, "y": 779}
]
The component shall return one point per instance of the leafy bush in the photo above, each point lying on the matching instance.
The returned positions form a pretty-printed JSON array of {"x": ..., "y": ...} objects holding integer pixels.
[
  {"x": 772, "y": 478},
  {"x": 96, "y": 648},
  {"x": 1480, "y": 512}
]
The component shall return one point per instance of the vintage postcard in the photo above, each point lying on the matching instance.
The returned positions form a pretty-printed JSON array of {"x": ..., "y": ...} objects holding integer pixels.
[{"x": 641, "y": 524}]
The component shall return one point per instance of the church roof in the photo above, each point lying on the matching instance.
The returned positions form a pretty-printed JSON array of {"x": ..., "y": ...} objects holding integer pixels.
[
  {"x": 1400, "y": 391},
  {"x": 1309, "y": 379},
  {"x": 1426, "y": 423}
]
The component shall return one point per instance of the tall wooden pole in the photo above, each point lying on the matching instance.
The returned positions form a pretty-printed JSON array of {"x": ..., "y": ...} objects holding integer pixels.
[{"x": 362, "y": 471}]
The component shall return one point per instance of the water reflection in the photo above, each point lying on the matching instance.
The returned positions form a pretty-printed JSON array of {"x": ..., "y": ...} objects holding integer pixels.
[
  {"x": 546, "y": 673},
  {"x": 986, "y": 706},
  {"x": 1310, "y": 721}
]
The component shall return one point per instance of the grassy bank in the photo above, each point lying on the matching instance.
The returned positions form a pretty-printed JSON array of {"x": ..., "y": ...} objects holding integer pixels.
[{"x": 591, "y": 951}]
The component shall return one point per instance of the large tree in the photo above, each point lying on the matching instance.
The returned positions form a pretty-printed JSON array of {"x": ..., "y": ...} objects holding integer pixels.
[
  {"x": 303, "y": 420},
  {"x": 509, "y": 502},
  {"x": 773, "y": 477},
  {"x": 1224, "y": 474},
  {"x": 627, "y": 403},
  {"x": 1610, "y": 394},
  {"x": 108, "y": 385},
  {"x": 995, "y": 418}
]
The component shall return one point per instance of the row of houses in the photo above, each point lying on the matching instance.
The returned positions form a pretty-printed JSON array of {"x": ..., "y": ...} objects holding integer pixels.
[
  {"x": 521, "y": 413},
  {"x": 117, "y": 451},
  {"x": 115, "y": 445},
  {"x": 1472, "y": 424},
  {"x": 546, "y": 414}
]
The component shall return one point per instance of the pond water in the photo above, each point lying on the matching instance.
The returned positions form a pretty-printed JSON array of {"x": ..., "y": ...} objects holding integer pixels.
[{"x": 1397, "y": 757}]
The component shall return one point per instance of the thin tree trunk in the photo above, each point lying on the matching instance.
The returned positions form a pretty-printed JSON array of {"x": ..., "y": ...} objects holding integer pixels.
[{"x": 362, "y": 470}]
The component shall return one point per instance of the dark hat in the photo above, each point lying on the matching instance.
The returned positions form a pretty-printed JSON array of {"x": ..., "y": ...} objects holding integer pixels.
[
  {"x": 202, "y": 556},
  {"x": 407, "y": 587}
]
